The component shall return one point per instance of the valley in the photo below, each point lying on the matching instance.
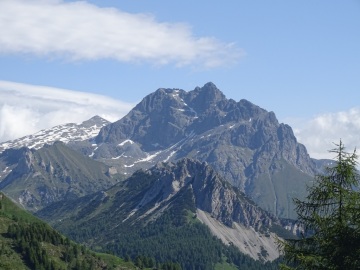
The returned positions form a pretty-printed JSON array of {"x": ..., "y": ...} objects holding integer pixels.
[{"x": 188, "y": 178}]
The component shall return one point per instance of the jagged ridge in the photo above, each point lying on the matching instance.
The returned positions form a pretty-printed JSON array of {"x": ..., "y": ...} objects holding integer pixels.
[
  {"x": 148, "y": 195},
  {"x": 64, "y": 133},
  {"x": 52, "y": 173},
  {"x": 243, "y": 142}
]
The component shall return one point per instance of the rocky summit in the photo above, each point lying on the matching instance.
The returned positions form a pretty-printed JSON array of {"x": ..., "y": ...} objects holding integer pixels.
[
  {"x": 186, "y": 176},
  {"x": 243, "y": 142}
]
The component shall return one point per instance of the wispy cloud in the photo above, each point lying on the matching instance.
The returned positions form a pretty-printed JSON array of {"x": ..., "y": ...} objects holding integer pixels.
[
  {"x": 320, "y": 133},
  {"x": 26, "y": 109},
  {"x": 82, "y": 31}
]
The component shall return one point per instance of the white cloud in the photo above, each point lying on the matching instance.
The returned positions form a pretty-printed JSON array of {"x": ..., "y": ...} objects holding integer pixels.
[
  {"x": 82, "y": 31},
  {"x": 26, "y": 109},
  {"x": 320, "y": 133}
]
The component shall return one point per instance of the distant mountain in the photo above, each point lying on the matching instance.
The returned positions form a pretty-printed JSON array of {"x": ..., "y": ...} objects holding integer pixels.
[
  {"x": 167, "y": 212},
  {"x": 36, "y": 178},
  {"x": 28, "y": 243},
  {"x": 243, "y": 142},
  {"x": 64, "y": 133}
]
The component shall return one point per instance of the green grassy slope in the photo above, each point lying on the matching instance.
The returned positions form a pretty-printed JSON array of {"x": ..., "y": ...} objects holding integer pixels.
[{"x": 28, "y": 243}]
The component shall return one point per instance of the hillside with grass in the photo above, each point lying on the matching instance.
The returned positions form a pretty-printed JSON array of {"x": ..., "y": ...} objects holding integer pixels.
[{"x": 28, "y": 243}]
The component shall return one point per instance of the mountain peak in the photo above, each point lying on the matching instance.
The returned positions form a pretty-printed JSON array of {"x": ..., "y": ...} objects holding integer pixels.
[
  {"x": 96, "y": 122},
  {"x": 96, "y": 119},
  {"x": 207, "y": 86},
  {"x": 65, "y": 133},
  {"x": 206, "y": 96},
  {"x": 243, "y": 142}
]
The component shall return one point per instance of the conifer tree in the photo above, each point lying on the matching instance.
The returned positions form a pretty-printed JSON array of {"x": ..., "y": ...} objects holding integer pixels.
[{"x": 331, "y": 219}]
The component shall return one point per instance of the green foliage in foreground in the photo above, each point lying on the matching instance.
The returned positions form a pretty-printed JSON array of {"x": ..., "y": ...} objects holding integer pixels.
[
  {"x": 28, "y": 243},
  {"x": 331, "y": 216}
]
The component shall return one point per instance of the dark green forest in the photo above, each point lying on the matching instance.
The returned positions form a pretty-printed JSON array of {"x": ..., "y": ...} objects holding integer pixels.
[
  {"x": 176, "y": 236},
  {"x": 28, "y": 243}
]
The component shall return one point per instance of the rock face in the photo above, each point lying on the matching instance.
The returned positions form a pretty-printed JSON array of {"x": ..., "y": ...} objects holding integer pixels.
[
  {"x": 36, "y": 178},
  {"x": 243, "y": 142},
  {"x": 210, "y": 193},
  {"x": 187, "y": 185},
  {"x": 9, "y": 159},
  {"x": 64, "y": 133}
]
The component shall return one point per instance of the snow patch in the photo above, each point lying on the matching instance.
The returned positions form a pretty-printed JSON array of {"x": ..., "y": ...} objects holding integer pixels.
[
  {"x": 129, "y": 166},
  {"x": 64, "y": 133},
  {"x": 149, "y": 157},
  {"x": 125, "y": 142},
  {"x": 118, "y": 156},
  {"x": 168, "y": 158}
]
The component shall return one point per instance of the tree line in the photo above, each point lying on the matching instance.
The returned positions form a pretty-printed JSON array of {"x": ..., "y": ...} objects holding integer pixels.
[
  {"x": 32, "y": 240},
  {"x": 330, "y": 215}
]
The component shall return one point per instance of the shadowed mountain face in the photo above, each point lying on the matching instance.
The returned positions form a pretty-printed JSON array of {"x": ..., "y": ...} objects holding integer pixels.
[
  {"x": 36, "y": 178},
  {"x": 243, "y": 142},
  {"x": 177, "y": 193}
]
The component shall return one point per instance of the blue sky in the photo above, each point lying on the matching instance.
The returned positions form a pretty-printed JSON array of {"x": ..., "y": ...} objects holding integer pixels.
[{"x": 300, "y": 59}]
